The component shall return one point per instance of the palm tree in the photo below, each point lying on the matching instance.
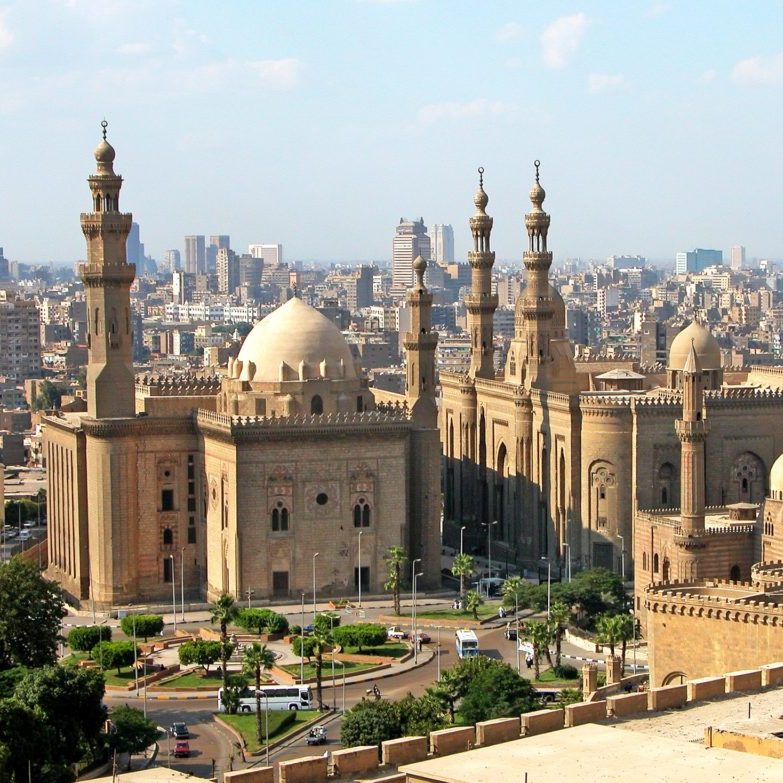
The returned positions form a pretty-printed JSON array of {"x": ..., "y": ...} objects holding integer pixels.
[
  {"x": 321, "y": 644},
  {"x": 473, "y": 601},
  {"x": 625, "y": 632},
  {"x": 463, "y": 567},
  {"x": 224, "y": 611},
  {"x": 258, "y": 658},
  {"x": 540, "y": 634},
  {"x": 395, "y": 557},
  {"x": 559, "y": 617},
  {"x": 609, "y": 628},
  {"x": 512, "y": 590}
]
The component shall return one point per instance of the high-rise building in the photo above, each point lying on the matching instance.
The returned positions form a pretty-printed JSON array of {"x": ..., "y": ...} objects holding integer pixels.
[
  {"x": 442, "y": 243},
  {"x": 20, "y": 338},
  {"x": 5, "y": 273},
  {"x": 195, "y": 254},
  {"x": 183, "y": 284},
  {"x": 697, "y": 260},
  {"x": 250, "y": 269},
  {"x": 134, "y": 246},
  {"x": 227, "y": 270},
  {"x": 737, "y": 257},
  {"x": 410, "y": 241},
  {"x": 626, "y": 262},
  {"x": 272, "y": 254},
  {"x": 216, "y": 242},
  {"x": 171, "y": 261}
]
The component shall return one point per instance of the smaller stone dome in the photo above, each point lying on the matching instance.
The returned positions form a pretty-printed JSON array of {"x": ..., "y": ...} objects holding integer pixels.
[
  {"x": 558, "y": 307},
  {"x": 537, "y": 194},
  {"x": 104, "y": 152},
  {"x": 705, "y": 345},
  {"x": 776, "y": 479},
  {"x": 419, "y": 265}
]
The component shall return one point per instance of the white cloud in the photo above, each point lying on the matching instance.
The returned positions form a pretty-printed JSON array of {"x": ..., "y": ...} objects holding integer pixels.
[
  {"x": 278, "y": 74},
  {"x": 605, "y": 82},
  {"x": 6, "y": 36},
  {"x": 513, "y": 31},
  {"x": 759, "y": 70},
  {"x": 186, "y": 40},
  {"x": 562, "y": 38},
  {"x": 134, "y": 48},
  {"x": 708, "y": 76},
  {"x": 435, "y": 112}
]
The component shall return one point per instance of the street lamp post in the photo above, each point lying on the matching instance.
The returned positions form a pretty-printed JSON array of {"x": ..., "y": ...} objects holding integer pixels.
[
  {"x": 182, "y": 583},
  {"x": 413, "y": 594},
  {"x": 331, "y": 631},
  {"x": 314, "y": 609},
  {"x": 438, "y": 648},
  {"x": 266, "y": 721},
  {"x": 343, "y": 665},
  {"x": 516, "y": 616},
  {"x": 462, "y": 539},
  {"x": 548, "y": 586},
  {"x": 415, "y": 631},
  {"x": 173, "y": 593},
  {"x": 135, "y": 657},
  {"x": 360, "y": 569},
  {"x": 622, "y": 555},
  {"x": 301, "y": 648},
  {"x": 567, "y": 547},
  {"x": 249, "y": 594},
  {"x": 489, "y": 526}
]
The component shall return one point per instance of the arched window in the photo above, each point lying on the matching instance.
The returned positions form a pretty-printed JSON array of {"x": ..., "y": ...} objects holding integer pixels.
[
  {"x": 316, "y": 405},
  {"x": 655, "y": 564},
  {"x": 361, "y": 514},
  {"x": 279, "y": 518},
  {"x": 360, "y": 404},
  {"x": 168, "y": 537},
  {"x": 664, "y": 497},
  {"x": 735, "y": 574}
]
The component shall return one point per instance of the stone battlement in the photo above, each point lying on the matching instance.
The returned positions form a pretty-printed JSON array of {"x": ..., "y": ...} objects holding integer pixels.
[
  {"x": 743, "y": 606},
  {"x": 177, "y": 385}
]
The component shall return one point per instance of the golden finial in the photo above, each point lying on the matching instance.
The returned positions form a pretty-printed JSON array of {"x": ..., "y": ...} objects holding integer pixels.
[
  {"x": 537, "y": 163},
  {"x": 481, "y": 176},
  {"x": 104, "y": 125}
]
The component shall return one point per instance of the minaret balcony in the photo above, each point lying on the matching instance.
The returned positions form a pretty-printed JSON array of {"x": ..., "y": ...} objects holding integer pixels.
[{"x": 692, "y": 431}]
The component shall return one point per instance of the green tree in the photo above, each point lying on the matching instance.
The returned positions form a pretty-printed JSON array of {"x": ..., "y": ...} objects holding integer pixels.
[
  {"x": 420, "y": 715},
  {"x": 463, "y": 567},
  {"x": 371, "y": 722},
  {"x": 23, "y": 741},
  {"x": 200, "y": 652},
  {"x": 32, "y": 610},
  {"x": 360, "y": 635},
  {"x": 255, "y": 620},
  {"x": 232, "y": 693},
  {"x": 473, "y": 602},
  {"x": 303, "y": 646},
  {"x": 497, "y": 692},
  {"x": 130, "y": 731},
  {"x": 224, "y": 611},
  {"x": 394, "y": 559},
  {"x": 540, "y": 635},
  {"x": 69, "y": 703},
  {"x": 114, "y": 655},
  {"x": 145, "y": 625},
  {"x": 614, "y": 629},
  {"x": 559, "y": 616},
  {"x": 49, "y": 397},
  {"x": 325, "y": 622},
  {"x": 455, "y": 681},
  {"x": 83, "y": 638},
  {"x": 513, "y": 590},
  {"x": 626, "y": 632},
  {"x": 321, "y": 644},
  {"x": 257, "y": 659}
]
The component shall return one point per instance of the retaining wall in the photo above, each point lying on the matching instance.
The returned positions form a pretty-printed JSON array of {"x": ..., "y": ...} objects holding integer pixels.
[
  {"x": 667, "y": 697},
  {"x": 490, "y": 732},
  {"x": 584, "y": 712},
  {"x": 626, "y": 704},
  {"x": 706, "y": 688},
  {"x": 748, "y": 680},
  {"x": 310, "y": 769},
  {"x": 257, "y": 775},
  {"x": 352, "y": 761},
  {"x": 447, "y": 741},
  {"x": 542, "y": 721},
  {"x": 404, "y": 751}
]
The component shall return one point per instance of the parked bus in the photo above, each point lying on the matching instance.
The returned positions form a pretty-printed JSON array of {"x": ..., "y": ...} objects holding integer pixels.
[
  {"x": 467, "y": 644},
  {"x": 273, "y": 697}
]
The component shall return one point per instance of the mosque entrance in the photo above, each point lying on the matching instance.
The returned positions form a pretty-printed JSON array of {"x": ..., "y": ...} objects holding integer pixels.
[
  {"x": 603, "y": 556},
  {"x": 280, "y": 584}
]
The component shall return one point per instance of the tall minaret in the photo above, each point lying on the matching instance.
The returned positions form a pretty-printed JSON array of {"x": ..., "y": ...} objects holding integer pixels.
[
  {"x": 107, "y": 280},
  {"x": 420, "y": 343},
  {"x": 480, "y": 302},
  {"x": 692, "y": 431},
  {"x": 534, "y": 312}
]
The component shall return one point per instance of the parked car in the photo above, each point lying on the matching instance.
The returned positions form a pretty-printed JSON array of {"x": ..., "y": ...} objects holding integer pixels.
[
  {"x": 31, "y": 523},
  {"x": 182, "y": 749},
  {"x": 180, "y": 731},
  {"x": 423, "y": 637},
  {"x": 395, "y": 632},
  {"x": 25, "y": 535}
]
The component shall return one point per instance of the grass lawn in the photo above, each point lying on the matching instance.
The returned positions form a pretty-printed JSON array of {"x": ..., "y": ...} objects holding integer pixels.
[
  {"x": 391, "y": 650},
  {"x": 326, "y": 669},
  {"x": 549, "y": 676},
  {"x": 74, "y": 658},
  {"x": 281, "y": 722},
  {"x": 123, "y": 678},
  {"x": 195, "y": 678},
  {"x": 485, "y": 611}
]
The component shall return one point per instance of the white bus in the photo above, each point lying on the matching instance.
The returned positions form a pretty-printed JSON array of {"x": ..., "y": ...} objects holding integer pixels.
[
  {"x": 275, "y": 697},
  {"x": 467, "y": 644}
]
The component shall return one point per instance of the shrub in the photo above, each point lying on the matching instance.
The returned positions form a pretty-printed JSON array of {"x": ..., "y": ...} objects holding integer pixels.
[
  {"x": 262, "y": 621},
  {"x": 295, "y": 630},
  {"x": 360, "y": 635},
  {"x": 145, "y": 625},
  {"x": 200, "y": 652},
  {"x": 566, "y": 672},
  {"x": 113, "y": 655},
  {"x": 84, "y": 637}
]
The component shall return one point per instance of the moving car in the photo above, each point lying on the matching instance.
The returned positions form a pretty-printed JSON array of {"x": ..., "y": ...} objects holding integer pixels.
[
  {"x": 25, "y": 535},
  {"x": 180, "y": 730},
  {"x": 511, "y": 632},
  {"x": 182, "y": 749},
  {"x": 423, "y": 637},
  {"x": 317, "y": 735},
  {"x": 395, "y": 632}
]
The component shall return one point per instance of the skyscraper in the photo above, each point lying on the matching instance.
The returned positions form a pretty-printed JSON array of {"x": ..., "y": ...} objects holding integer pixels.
[
  {"x": 410, "y": 240},
  {"x": 195, "y": 254},
  {"x": 171, "y": 260},
  {"x": 272, "y": 254},
  {"x": 443, "y": 243},
  {"x": 135, "y": 249},
  {"x": 697, "y": 260},
  {"x": 216, "y": 242},
  {"x": 227, "y": 265},
  {"x": 737, "y": 257}
]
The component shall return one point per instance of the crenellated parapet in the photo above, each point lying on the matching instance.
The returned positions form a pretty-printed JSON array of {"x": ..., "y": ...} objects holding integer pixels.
[
  {"x": 186, "y": 385},
  {"x": 767, "y": 574}
]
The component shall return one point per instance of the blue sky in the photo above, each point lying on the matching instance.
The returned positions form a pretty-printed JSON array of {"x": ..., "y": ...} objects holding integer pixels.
[{"x": 319, "y": 124}]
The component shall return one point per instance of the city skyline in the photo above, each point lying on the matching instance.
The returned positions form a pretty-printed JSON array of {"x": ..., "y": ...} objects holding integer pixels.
[{"x": 643, "y": 124}]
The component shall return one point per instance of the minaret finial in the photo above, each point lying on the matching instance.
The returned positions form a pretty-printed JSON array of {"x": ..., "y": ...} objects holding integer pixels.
[
  {"x": 537, "y": 163},
  {"x": 481, "y": 176},
  {"x": 104, "y": 125}
]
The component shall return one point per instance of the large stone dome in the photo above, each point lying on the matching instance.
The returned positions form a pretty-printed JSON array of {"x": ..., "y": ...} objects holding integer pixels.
[
  {"x": 292, "y": 337},
  {"x": 705, "y": 345},
  {"x": 776, "y": 479}
]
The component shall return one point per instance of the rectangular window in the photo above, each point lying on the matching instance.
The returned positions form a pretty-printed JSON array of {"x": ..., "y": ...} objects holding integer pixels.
[
  {"x": 167, "y": 570},
  {"x": 191, "y": 487},
  {"x": 365, "y": 578},
  {"x": 280, "y": 583},
  {"x": 167, "y": 500},
  {"x": 191, "y": 535},
  {"x": 191, "y": 504}
]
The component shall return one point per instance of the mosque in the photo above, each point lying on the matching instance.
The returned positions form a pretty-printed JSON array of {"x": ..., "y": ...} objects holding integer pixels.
[
  {"x": 568, "y": 460},
  {"x": 281, "y": 478}
]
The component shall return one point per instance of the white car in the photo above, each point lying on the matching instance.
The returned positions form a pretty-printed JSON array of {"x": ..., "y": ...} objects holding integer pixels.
[
  {"x": 395, "y": 632},
  {"x": 25, "y": 535}
]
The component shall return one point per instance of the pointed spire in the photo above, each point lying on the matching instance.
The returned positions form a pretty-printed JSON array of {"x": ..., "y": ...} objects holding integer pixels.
[
  {"x": 104, "y": 153},
  {"x": 692, "y": 365}
]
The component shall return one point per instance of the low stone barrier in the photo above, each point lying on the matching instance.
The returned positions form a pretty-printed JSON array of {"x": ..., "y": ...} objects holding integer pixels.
[
  {"x": 706, "y": 688},
  {"x": 746, "y": 743},
  {"x": 626, "y": 704},
  {"x": 148, "y": 680},
  {"x": 310, "y": 769},
  {"x": 542, "y": 721},
  {"x": 490, "y": 732},
  {"x": 584, "y": 712},
  {"x": 351, "y": 761},
  {"x": 667, "y": 697},
  {"x": 772, "y": 674},
  {"x": 748, "y": 680},
  {"x": 256, "y": 775},
  {"x": 405, "y": 750},
  {"x": 446, "y": 741}
]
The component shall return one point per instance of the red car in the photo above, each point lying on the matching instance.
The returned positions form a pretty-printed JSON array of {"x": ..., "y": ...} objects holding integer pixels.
[{"x": 181, "y": 749}]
